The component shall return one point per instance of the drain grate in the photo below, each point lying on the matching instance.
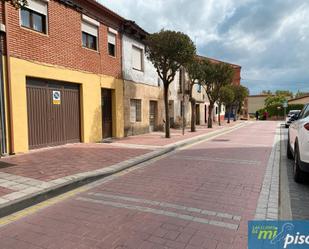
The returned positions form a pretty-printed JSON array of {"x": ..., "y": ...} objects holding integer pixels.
[{"x": 220, "y": 140}]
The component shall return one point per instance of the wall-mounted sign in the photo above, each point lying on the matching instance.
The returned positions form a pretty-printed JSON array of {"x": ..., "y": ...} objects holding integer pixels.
[{"x": 56, "y": 97}]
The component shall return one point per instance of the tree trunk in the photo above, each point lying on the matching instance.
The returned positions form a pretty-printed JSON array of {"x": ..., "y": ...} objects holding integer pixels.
[
  {"x": 219, "y": 112},
  {"x": 193, "y": 114},
  {"x": 229, "y": 116},
  {"x": 210, "y": 114},
  {"x": 167, "y": 115},
  {"x": 236, "y": 113}
]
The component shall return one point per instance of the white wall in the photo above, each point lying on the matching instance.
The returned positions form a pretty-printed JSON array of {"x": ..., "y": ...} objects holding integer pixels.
[{"x": 149, "y": 74}]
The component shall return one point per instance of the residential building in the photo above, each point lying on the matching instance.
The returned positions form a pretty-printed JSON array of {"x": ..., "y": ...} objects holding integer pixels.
[
  {"x": 202, "y": 102},
  {"x": 301, "y": 100},
  {"x": 256, "y": 102},
  {"x": 64, "y": 75},
  {"x": 143, "y": 89}
]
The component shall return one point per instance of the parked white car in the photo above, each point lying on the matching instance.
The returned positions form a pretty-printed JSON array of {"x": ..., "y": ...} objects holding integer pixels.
[
  {"x": 298, "y": 144},
  {"x": 291, "y": 117}
]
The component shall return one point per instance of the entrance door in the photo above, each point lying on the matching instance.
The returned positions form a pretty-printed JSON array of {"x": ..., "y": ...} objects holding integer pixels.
[
  {"x": 197, "y": 114},
  {"x": 152, "y": 115},
  {"x": 53, "y": 113},
  {"x": 107, "y": 113}
]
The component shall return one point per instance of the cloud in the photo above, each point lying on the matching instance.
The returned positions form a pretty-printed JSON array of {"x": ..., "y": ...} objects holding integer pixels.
[{"x": 269, "y": 39}]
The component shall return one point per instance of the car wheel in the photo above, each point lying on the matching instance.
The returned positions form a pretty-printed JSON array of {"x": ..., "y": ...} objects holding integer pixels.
[
  {"x": 289, "y": 151},
  {"x": 298, "y": 174}
]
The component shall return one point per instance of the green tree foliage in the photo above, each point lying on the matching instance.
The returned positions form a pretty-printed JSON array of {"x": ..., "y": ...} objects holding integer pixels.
[
  {"x": 226, "y": 97},
  {"x": 214, "y": 77},
  {"x": 278, "y": 111},
  {"x": 168, "y": 51},
  {"x": 195, "y": 71},
  {"x": 275, "y": 100},
  {"x": 240, "y": 94},
  {"x": 285, "y": 93},
  {"x": 301, "y": 94},
  {"x": 267, "y": 92},
  {"x": 17, "y": 3}
]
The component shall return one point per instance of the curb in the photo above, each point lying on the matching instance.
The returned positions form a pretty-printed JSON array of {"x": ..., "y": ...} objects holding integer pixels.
[
  {"x": 74, "y": 181},
  {"x": 268, "y": 202}
]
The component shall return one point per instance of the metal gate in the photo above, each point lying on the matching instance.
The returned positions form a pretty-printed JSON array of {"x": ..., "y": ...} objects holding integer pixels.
[
  {"x": 53, "y": 113},
  {"x": 152, "y": 115},
  {"x": 107, "y": 113}
]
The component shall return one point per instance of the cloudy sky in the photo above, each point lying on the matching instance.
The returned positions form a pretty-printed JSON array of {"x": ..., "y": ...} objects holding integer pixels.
[{"x": 268, "y": 38}]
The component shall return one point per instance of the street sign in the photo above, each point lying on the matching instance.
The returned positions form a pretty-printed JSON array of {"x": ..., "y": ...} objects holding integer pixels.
[
  {"x": 285, "y": 104},
  {"x": 56, "y": 97}
]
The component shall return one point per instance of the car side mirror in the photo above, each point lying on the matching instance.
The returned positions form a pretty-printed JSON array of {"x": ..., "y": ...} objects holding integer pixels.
[{"x": 294, "y": 117}]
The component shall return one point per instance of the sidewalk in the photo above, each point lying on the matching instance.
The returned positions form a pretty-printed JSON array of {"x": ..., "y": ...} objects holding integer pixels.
[{"x": 38, "y": 175}]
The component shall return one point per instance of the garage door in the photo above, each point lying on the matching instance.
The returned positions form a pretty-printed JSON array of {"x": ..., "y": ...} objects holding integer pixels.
[{"x": 53, "y": 113}]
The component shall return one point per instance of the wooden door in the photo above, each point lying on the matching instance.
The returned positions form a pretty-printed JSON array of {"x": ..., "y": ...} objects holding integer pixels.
[{"x": 107, "y": 115}]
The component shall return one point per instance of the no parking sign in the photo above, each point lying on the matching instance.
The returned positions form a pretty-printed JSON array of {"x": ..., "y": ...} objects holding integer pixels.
[{"x": 56, "y": 97}]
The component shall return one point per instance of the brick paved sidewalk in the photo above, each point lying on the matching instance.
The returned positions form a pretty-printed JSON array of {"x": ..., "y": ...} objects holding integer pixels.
[
  {"x": 156, "y": 139},
  {"x": 25, "y": 176}
]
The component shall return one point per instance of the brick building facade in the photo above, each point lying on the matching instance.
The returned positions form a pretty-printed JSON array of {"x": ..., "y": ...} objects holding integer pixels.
[{"x": 65, "y": 49}]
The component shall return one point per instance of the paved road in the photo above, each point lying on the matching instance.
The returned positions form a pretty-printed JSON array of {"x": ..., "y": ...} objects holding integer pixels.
[
  {"x": 200, "y": 197},
  {"x": 296, "y": 204}
]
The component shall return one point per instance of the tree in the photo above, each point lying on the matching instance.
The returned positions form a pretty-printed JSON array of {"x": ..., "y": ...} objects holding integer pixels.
[
  {"x": 240, "y": 94},
  {"x": 267, "y": 92},
  {"x": 194, "y": 71},
  {"x": 17, "y": 3},
  {"x": 275, "y": 100},
  {"x": 226, "y": 97},
  {"x": 285, "y": 93},
  {"x": 168, "y": 51},
  {"x": 214, "y": 77},
  {"x": 301, "y": 94}
]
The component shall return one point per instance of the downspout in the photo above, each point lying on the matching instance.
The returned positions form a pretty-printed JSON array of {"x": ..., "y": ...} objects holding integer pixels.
[
  {"x": 2, "y": 104},
  {"x": 9, "y": 88}
]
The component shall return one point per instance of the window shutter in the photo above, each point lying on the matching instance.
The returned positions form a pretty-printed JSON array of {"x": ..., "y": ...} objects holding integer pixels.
[
  {"x": 111, "y": 38},
  {"x": 137, "y": 58},
  {"x": 39, "y": 6},
  {"x": 90, "y": 29}
]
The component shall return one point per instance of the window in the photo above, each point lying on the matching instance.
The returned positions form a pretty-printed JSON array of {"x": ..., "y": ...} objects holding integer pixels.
[
  {"x": 112, "y": 44},
  {"x": 90, "y": 33},
  {"x": 304, "y": 113},
  {"x": 135, "y": 110},
  {"x": 180, "y": 79},
  {"x": 89, "y": 41},
  {"x": 137, "y": 58},
  {"x": 34, "y": 16},
  {"x": 198, "y": 87}
]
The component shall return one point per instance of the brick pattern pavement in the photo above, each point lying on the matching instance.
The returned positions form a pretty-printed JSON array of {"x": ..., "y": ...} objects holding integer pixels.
[
  {"x": 5, "y": 191},
  {"x": 58, "y": 162},
  {"x": 157, "y": 139},
  {"x": 171, "y": 203}
]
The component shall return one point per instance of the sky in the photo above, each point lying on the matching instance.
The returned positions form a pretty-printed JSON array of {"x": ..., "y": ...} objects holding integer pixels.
[{"x": 268, "y": 38}]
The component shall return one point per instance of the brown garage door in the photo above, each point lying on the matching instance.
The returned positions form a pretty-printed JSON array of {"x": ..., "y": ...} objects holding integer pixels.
[{"x": 53, "y": 113}]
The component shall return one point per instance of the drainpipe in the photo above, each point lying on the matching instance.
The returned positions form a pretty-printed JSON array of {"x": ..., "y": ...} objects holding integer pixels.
[
  {"x": 2, "y": 105},
  {"x": 8, "y": 78}
]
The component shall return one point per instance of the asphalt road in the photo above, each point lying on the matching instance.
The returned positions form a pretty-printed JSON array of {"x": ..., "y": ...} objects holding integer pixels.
[
  {"x": 200, "y": 197},
  {"x": 295, "y": 196}
]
